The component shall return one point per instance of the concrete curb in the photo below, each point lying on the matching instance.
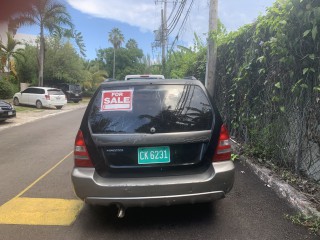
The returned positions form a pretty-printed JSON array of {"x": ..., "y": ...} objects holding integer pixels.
[
  {"x": 40, "y": 116},
  {"x": 295, "y": 198}
]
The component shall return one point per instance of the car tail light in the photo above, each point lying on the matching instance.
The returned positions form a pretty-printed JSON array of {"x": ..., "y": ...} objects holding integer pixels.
[
  {"x": 81, "y": 156},
  {"x": 47, "y": 97},
  {"x": 223, "y": 151}
]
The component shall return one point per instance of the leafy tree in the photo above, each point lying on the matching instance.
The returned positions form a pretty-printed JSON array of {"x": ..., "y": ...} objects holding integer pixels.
[
  {"x": 94, "y": 76},
  {"x": 62, "y": 63},
  {"x": 70, "y": 34},
  {"x": 129, "y": 61},
  {"x": 10, "y": 51},
  {"x": 27, "y": 67},
  {"x": 47, "y": 14},
  {"x": 132, "y": 44},
  {"x": 187, "y": 61},
  {"x": 116, "y": 38}
]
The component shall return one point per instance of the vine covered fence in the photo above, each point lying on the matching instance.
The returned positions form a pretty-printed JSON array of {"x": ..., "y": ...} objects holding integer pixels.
[{"x": 268, "y": 85}]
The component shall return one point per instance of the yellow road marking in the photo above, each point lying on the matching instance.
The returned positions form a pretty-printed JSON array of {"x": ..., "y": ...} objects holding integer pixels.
[
  {"x": 40, "y": 211},
  {"x": 45, "y": 174}
]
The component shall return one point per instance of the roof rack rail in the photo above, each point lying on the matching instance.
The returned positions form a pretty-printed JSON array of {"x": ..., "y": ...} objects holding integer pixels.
[{"x": 190, "y": 78}]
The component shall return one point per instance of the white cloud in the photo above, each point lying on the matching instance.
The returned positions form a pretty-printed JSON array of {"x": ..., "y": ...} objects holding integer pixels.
[
  {"x": 145, "y": 14},
  {"x": 140, "y": 13}
]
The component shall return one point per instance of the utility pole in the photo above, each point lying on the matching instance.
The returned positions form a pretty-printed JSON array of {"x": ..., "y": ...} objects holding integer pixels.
[
  {"x": 212, "y": 47},
  {"x": 164, "y": 34}
]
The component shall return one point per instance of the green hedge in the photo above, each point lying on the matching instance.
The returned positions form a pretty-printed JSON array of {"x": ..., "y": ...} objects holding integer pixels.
[{"x": 7, "y": 89}]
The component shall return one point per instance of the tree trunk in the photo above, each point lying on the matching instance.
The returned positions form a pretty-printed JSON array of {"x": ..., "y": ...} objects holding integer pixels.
[
  {"x": 41, "y": 58},
  {"x": 114, "y": 63}
]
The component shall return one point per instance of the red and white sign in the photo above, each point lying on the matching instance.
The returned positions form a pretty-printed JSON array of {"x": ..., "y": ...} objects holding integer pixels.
[{"x": 117, "y": 100}]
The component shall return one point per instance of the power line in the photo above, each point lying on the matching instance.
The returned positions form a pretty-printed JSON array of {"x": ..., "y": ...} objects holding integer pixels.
[
  {"x": 182, "y": 25},
  {"x": 176, "y": 18}
]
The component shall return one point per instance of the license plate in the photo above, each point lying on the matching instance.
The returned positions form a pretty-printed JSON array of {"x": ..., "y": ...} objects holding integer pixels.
[
  {"x": 151, "y": 155},
  {"x": 10, "y": 113}
]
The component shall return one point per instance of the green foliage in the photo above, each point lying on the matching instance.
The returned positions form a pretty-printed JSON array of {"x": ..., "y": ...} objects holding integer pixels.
[
  {"x": 311, "y": 222},
  {"x": 27, "y": 68},
  {"x": 187, "y": 61},
  {"x": 234, "y": 157},
  {"x": 9, "y": 52},
  {"x": 94, "y": 76},
  {"x": 7, "y": 88},
  {"x": 62, "y": 63},
  {"x": 265, "y": 71},
  {"x": 128, "y": 61}
]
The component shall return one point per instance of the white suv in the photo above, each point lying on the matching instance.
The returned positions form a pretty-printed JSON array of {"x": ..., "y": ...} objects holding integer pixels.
[{"x": 40, "y": 97}]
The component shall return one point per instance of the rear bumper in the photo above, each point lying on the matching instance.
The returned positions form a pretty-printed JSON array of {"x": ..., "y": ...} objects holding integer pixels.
[
  {"x": 211, "y": 185},
  {"x": 5, "y": 114},
  {"x": 54, "y": 103}
]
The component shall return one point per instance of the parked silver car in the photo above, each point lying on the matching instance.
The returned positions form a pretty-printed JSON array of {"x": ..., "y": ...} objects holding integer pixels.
[{"x": 152, "y": 143}]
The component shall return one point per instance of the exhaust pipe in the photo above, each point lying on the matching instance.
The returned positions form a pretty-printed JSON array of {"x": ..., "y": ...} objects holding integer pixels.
[{"x": 121, "y": 211}]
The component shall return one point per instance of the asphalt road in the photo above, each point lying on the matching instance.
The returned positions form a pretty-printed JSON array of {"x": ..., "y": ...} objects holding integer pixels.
[{"x": 35, "y": 166}]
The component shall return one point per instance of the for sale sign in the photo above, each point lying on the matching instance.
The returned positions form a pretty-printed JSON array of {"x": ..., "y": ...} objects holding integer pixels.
[{"x": 117, "y": 100}]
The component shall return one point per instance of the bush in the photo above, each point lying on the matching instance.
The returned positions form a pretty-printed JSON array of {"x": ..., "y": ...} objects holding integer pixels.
[
  {"x": 88, "y": 93},
  {"x": 7, "y": 89}
]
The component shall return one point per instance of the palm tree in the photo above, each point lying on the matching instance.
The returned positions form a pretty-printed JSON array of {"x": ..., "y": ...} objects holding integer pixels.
[
  {"x": 47, "y": 14},
  {"x": 74, "y": 34},
  {"x": 9, "y": 51},
  {"x": 131, "y": 44},
  {"x": 116, "y": 38}
]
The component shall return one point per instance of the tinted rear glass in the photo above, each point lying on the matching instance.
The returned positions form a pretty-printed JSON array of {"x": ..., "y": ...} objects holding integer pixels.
[
  {"x": 75, "y": 88},
  {"x": 55, "y": 92},
  {"x": 167, "y": 108}
]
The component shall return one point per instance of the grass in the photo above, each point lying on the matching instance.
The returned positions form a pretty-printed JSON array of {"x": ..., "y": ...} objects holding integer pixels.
[
  {"x": 84, "y": 101},
  {"x": 34, "y": 109},
  {"x": 312, "y": 223},
  {"x": 26, "y": 109}
]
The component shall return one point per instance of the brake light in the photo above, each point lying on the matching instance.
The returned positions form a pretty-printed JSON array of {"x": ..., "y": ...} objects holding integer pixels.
[
  {"x": 223, "y": 151},
  {"x": 47, "y": 97},
  {"x": 81, "y": 156}
]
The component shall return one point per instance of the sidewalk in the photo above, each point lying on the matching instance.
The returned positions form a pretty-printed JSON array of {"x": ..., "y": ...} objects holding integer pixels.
[
  {"x": 33, "y": 114},
  {"x": 284, "y": 190}
]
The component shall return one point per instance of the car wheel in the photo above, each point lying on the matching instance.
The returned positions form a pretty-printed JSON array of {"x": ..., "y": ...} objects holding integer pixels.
[
  {"x": 39, "y": 104},
  {"x": 16, "y": 101},
  {"x": 76, "y": 101},
  {"x": 2, "y": 120},
  {"x": 58, "y": 107}
]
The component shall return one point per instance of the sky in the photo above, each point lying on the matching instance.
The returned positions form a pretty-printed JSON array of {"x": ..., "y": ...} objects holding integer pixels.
[{"x": 138, "y": 19}]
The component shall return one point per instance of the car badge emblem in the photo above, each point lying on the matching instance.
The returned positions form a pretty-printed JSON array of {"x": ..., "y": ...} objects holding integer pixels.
[{"x": 152, "y": 130}]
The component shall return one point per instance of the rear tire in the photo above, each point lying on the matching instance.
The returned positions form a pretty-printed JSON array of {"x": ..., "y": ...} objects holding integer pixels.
[
  {"x": 58, "y": 107},
  {"x": 16, "y": 101},
  {"x": 76, "y": 101},
  {"x": 39, "y": 104}
]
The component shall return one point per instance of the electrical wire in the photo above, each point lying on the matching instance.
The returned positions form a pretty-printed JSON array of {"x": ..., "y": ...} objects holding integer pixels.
[
  {"x": 173, "y": 8},
  {"x": 182, "y": 25},
  {"x": 171, "y": 26}
]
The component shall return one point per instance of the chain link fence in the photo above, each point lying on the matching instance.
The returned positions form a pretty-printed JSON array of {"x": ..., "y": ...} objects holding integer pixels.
[{"x": 285, "y": 132}]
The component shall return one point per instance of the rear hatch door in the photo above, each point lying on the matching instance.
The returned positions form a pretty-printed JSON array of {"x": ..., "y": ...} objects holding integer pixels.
[
  {"x": 57, "y": 97},
  {"x": 153, "y": 126}
]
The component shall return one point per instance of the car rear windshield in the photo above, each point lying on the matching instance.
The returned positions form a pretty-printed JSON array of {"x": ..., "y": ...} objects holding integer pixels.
[
  {"x": 74, "y": 87},
  {"x": 55, "y": 92},
  {"x": 137, "y": 109}
]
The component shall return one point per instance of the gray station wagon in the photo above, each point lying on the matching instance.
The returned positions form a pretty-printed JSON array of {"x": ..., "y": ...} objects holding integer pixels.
[{"x": 151, "y": 143}]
